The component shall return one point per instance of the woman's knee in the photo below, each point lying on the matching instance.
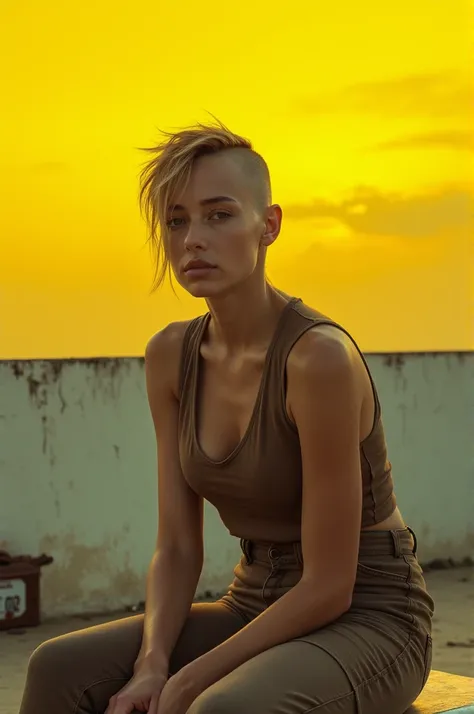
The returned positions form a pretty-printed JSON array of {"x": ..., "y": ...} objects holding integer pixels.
[
  {"x": 99, "y": 652},
  {"x": 50, "y": 660}
]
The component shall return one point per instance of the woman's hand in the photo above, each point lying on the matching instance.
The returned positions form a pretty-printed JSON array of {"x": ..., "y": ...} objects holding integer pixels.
[
  {"x": 141, "y": 693},
  {"x": 179, "y": 693}
]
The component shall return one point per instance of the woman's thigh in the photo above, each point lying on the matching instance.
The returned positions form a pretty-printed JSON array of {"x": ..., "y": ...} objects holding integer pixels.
[
  {"x": 80, "y": 671},
  {"x": 309, "y": 675}
]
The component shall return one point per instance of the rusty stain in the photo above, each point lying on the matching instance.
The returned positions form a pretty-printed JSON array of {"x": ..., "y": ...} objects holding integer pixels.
[
  {"x": 57, "y": 368},
  {"x": 41, "y": 375},
  {"x": 51, "y": 432},
  {"x": 394, "y": 360},
  {"x": 54, "y": 367},
  {"x": 17, "y": 369},
  {"x": 44, "y": 422},
  {"x": 65, "y": 585},
  {"x": 460, "y": 354},
  {"x": 36, "y": 395},
  {"x": 106, "y": 376},
  {"x": 47, "y": 426},
  {"x": 61, "y": 399}
]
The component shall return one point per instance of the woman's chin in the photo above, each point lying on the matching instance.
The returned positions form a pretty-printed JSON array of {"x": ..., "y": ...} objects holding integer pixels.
[
  {"x": 201, "y": 290},
  {"x": 202, "y": 287}
]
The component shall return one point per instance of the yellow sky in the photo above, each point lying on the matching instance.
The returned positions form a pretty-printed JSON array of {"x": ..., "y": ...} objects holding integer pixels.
[{"x": 362, "y": 109}]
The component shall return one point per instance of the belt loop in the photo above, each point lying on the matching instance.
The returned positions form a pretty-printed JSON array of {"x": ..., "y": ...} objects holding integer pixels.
[
  {"x": 396, "y": 543},
  {"x": 246, "y": 547},
  {"x": 415, "y": 542},
  {"x": 298, "y": 552}
]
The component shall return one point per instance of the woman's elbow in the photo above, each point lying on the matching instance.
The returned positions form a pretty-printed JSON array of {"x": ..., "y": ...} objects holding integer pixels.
[{"x": 330, "y": 601}]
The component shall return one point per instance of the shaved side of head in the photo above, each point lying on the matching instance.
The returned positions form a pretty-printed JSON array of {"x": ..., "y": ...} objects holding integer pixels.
[{"x": 255, "y": 170}]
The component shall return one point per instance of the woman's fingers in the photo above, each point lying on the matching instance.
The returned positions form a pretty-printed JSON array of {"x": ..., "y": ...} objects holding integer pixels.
[{"x": 153, "y": 708}]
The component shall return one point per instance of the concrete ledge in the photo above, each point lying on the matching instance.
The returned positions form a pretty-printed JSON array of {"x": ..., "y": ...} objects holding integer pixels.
[{"x": 445, "y": 693}]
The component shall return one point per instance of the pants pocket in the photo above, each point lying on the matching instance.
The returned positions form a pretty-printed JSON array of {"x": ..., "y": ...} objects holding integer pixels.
[{"x": 396, "y": 570}]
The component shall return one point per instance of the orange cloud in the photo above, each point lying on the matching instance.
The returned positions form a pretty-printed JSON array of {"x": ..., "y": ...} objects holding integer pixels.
[
  {"x": 458, "y": 140},
  {"x": 371, "y": 212},
  {"x": 419, "y": 95}
]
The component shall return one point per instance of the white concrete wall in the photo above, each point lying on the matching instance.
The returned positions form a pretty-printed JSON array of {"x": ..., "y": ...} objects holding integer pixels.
[{"x": 78, "y": 471}]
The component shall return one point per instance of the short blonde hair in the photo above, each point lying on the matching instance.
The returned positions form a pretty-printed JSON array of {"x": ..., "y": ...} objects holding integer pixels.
[{"x": 170, "y": 169}]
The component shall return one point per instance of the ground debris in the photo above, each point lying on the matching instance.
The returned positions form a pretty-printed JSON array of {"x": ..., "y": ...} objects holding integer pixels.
[
  {"x": 465, "y": 643},
  {"x": 137, "y": 607},
  {"x": 447, "y": 563}
]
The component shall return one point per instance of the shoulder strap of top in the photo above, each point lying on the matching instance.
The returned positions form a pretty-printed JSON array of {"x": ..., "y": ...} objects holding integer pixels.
[
  {"x": 299, "y": 321},
  {"x": 191, "y": 343}
]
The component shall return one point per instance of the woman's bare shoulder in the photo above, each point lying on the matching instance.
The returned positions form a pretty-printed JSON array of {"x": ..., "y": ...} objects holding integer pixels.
[
  {"x": 322, "y": 346},
  {"x": 163, "y": 352},
  {"x": 167, "y": 341}
]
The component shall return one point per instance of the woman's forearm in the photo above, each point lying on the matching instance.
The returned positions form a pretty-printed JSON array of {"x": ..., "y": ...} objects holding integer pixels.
[
  {"x": 171, "y": 586},
  {"x": 299, "y": 611}
]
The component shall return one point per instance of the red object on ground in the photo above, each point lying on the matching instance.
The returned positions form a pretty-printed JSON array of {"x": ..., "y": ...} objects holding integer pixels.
[{"x": 20, "y": 590}]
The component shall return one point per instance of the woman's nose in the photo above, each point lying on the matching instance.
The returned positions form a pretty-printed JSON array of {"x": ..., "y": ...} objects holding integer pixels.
[{"x": 194, "y": 237}]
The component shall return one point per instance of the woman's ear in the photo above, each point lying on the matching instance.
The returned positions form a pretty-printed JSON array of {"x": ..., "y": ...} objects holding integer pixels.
[{"x": 272, "y": 225}]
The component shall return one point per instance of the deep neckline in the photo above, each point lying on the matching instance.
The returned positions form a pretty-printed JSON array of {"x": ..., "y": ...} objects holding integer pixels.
[{"x": 258, "y": 400}]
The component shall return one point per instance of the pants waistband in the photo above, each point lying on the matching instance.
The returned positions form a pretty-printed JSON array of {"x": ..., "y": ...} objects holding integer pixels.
[{"x": 394, "y": 543}]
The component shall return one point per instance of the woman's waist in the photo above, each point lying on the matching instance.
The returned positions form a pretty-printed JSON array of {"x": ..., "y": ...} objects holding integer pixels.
[
  {"x": 387, "y": 575},
  {"x": 396, "y": 543}
]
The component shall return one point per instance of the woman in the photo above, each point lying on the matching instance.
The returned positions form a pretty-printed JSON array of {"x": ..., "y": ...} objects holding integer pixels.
[{"x": 266, "y": 408}]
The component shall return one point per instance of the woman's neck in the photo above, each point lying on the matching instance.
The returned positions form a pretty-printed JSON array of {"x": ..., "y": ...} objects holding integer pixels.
[{"x": 246, "y": 318}]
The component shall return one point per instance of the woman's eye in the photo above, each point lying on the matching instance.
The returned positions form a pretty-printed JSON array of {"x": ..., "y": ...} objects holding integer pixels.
[
  {"x": 221, "y": 215},
  {"x": 172, "y": 224}
]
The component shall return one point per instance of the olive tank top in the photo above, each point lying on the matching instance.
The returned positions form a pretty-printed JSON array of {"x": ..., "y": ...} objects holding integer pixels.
[{"x": 257, "y": 488}]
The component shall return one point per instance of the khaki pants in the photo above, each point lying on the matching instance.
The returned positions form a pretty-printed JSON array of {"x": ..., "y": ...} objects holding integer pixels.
[{"x": 375, "y": 659}]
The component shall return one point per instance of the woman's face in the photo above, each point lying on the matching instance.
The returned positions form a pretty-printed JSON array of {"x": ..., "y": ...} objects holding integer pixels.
[{"x": 217, "y": 231}]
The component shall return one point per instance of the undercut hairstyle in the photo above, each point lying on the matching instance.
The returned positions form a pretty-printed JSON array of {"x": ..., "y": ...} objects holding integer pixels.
[{"x": 168, "y": 172}]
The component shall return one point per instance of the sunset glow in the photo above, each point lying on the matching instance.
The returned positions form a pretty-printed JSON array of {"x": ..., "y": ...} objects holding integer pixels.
[{"x": 362, "y": 110}]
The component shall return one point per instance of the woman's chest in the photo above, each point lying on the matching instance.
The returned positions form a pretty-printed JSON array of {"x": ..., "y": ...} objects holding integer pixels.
[
  {"x": 263, "y": 476},
  {"x": 227, "y": 404}
]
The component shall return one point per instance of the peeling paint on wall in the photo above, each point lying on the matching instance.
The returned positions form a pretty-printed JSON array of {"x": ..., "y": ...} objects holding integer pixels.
[
  {"x": 395, "y": 361},
  {"x": 88, "y": 574},
  {"x": 78, "y": 471}
]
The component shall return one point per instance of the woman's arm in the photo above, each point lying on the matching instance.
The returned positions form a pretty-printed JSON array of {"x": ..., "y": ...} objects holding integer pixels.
[
  {"x": 325, "y": 391},
  {"x": 177, "y": 562}
]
